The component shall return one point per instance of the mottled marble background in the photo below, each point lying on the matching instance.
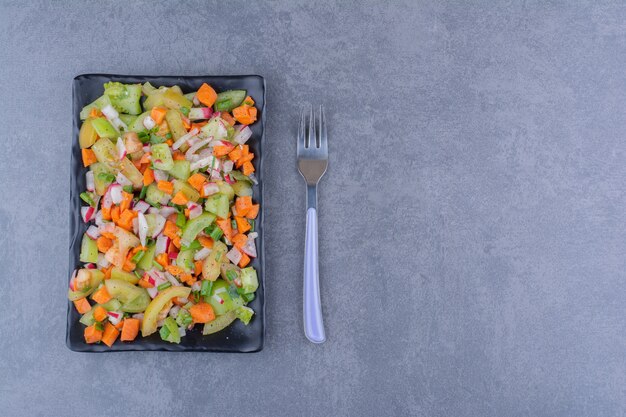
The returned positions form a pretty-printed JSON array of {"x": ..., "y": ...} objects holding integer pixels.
[{"x": 472, "y": 226}]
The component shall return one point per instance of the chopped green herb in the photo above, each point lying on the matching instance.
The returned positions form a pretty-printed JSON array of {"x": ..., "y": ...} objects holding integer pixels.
[
  {"x": 231, "y": 275},
  {"x": 138, "y": 256},
  {"x": 99, "y": 326},
  {"x": 193, "y": 245},
  {"x": 142, "y": 194},
  {"x": 87, "y": 199},
  {"x": 232, "y": 291},
  {"x": 185, "y": 111},
  {"x": 143, "y": 136},
  {"x": 168, "y": 136},
  {"x": 128, "y": 189},
  {"x": 181, "y": 220},
  {"x": 157, "y": 265},
  {"x": 252, "y": 224},
  {"x": 154, "y": 139},
  {"x": 106, "y": 177},
  {"x": 206, "y": 288},
  {"x": 164, "y": 286},
  {"x": 248, "y": 297}
]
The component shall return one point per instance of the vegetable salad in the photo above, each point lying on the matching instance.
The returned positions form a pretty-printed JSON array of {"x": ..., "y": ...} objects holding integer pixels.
[{"x": 171, "y": 218}]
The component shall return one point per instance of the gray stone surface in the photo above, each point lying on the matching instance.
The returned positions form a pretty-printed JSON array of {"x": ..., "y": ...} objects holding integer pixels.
[{"x": 472, "y": 219}]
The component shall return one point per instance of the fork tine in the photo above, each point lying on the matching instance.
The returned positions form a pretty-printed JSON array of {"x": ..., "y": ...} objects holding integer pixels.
[
  {"x": 301, "y": 133},
  {"x": 322, "y": 131},
  {"x": 312, "y": 142}
]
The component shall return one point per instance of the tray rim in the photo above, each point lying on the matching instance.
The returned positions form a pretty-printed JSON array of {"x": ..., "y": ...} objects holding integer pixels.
[{"x": 74, "y": 135}]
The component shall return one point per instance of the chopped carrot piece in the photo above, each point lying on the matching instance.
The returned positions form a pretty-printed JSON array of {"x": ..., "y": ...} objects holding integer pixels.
[
  {"x": 104, "y": 244},
  {"x": 108, "y": 235},
  {"x": 176, "y": 242},
  {"x": 110, "y": 334},
  {"x": 197, "y": 181},
  {"x": 129, "y": 265},
  {"x": 242, "y": 224},
  {"x": 144, "y": 283},
  {"x": 99, "y": 313},
  {"x": 119, "y": 325},
  {"x": 221, "y": 150},
  {"x": 145, "y": 158},
  {"x": 92, "y": 334},
  {"x": 101, "y": 296},
  {"x": 107, "y": 272},
  {"x": 243, "y": 205},
  {"x": 95, "y": 112},
  {"x": 162, "y": 260},
  {"x": 170, "y": 230},
  {"x": 245, "y": 114},
  {"x": 115, "y": 214},
  {"x": 245, "y": 260},
  {"x": 174, "y": 270},
  {"x": 249, "y": 101},
  {"x": 178, "y": 156},
  {"x": 248, "y": 168},
  {"x": 187, "y": 211},
  {"x": 197, "y": 267},
  {"x": 206, "y": 242},
  {"x": 148, "y": 176},
  {"x": 126, "y": 199},
  {"x": 188, "y": 278},
  {"x": 228, "y": 118},
  {"x": 126, "y": 219},
  {"x": 235, "y": 154},
  {"x": 239, "y": 240},
  {"x": 169, "y": 142},
  {"x": 82, "y": 305},
  {"x": 166, "y": 186},
  {"x": 164, "y": 129},
  {"x": 130, "y": 330},
  {"x": 202, "y": 313},
  {"x": 158, "y": 114},
  {"x": 226, "y": 227},
  {"x": 253, "y": 212},
  {"x": 89, "y": 157},
  {"x": 180, "y": 199},
  {"x": 198, "y": 125},
  {"x": 206, "y": 95},
  {"x": 244, "y": 158},
  {"x": 106, "y": 213}
]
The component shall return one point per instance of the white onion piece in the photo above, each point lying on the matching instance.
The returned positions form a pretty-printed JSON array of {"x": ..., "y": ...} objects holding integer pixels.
[
  {"x": 160, "y": 175},
  {"x": 108, "y": 228},
  {"x": 102, "y": 261},
  {"x": 234, "y": 255},
  {"x": 184, "y": 138},
  {"x": 159, "y": 224},
  {"x": 98, "y": 219},
  {"x": 249, "y": 248},
  {"x": 116, "y": 193},
  {"x": 182, "y": 332},
  {"x": 253, "y": 235},
  {"x": 135, "y": 224},
  {"x": 195, "y": 209},
  {"x": 109, "y": 112},
  {"x": 141, "y": 206},
  {"x": 115, "y": 317},
  {"x": 243, "y": 134},
  {"x": 146, "y": 149},
  {"x": 154, "y": 210},
  {"x": 195, "y": 100},
  {"x": 149, "y": 122},
  {"x": 122, "y": 180},
  {"x": 253, "y": 179},
  {"x": 89, "y": 179},
  {"x": 210, "y": 188},
  {"x": 200, "y": 163},
  {"x": 202, "y": 254},
  {"x": 215, "y": 175},
  {"x": 200, "y": 113},
  {"x": 153, "y": 292},
  {"x": 93, "y": 232},
  {"x": 227, "y": 166},
  {"x": 167, "y": 211},
  {"x": 174, "y": 311},
  {"x": 88, "y": 213},
  {"x": 143, "y": 228},
  {"x": 196, "y": 286},
  {"x": 172, "y": 280},
  {"x": 161, "y": 245},
  {"x": 121, "y": 149},
  {"x": 196, "y": 146}
]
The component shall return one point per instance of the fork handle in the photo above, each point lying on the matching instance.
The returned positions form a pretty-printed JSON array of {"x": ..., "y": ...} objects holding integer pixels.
[{"x": 313, "y": 321}]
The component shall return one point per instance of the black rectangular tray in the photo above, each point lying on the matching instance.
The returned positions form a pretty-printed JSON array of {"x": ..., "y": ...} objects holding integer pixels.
[{"x": 237, "y": 337}]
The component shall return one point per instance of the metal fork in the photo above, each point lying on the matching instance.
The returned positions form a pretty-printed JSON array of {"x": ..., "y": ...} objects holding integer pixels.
[{"x": 312, "y": 152}]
